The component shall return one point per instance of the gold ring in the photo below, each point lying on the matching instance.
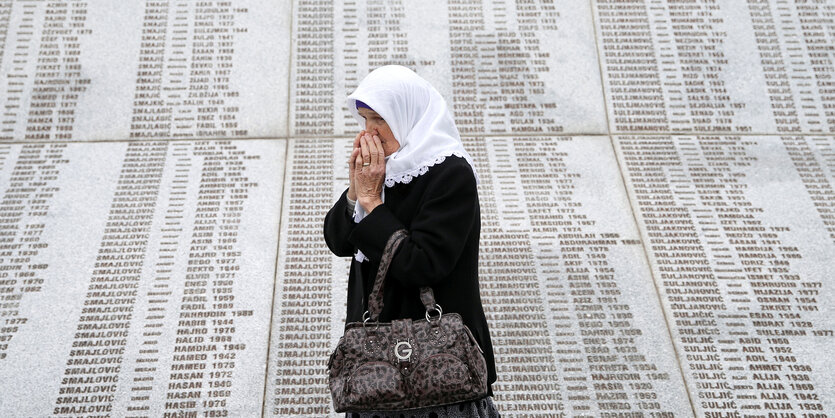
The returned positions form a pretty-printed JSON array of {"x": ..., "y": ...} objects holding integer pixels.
[{"x": 366, "y": 164}]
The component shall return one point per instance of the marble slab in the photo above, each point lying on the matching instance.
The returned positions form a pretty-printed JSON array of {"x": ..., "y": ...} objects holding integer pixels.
[
  {"x": 726, "y": 66},
  {"x": 136, "y": 276},
  {"x": 308, "y": 294},
  {"x": 100, "y": 70},
  {"x": 565, "y": 284},
  {"x": 502, "y": 68},
  {"x": 739, "y": 235},
  {"x": 151, "y": 262},
  {"x": 562, "y": 259}
]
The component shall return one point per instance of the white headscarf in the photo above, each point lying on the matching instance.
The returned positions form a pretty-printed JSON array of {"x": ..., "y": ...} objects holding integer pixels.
[{"x": 419, "y": 119}]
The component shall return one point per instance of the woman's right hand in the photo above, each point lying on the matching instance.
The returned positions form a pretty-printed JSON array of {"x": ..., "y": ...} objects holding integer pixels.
[{"x": 352, "y": 189}]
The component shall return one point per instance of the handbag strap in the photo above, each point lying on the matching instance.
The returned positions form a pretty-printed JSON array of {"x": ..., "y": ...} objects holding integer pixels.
[{"x": 375, "y": 301}]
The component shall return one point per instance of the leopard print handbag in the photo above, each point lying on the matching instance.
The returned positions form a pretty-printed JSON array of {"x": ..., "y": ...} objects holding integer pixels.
[{"x": 405, "y": 364}]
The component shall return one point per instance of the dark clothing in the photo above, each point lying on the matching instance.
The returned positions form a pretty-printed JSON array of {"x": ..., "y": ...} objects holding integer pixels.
[
  {"x": 479, "y": 408},
  {"x": 440, "y": 210}
]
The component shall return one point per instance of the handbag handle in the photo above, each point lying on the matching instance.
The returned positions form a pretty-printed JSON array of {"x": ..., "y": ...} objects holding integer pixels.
[{"x": 375, "y": 301}]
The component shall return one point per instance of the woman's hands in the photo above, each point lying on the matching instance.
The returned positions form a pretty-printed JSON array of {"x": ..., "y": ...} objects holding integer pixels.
[
  {"x": 352, "y": 188},
  {"x": 367, "y": 171}
]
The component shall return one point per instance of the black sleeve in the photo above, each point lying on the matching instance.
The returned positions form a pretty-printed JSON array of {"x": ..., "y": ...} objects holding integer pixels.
[
  {"x": 338, "y": 226},
  {"x": 438, "y": 232}
]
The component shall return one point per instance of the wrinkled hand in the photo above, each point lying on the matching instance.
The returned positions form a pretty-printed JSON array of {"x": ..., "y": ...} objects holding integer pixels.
[
  {"x": 369, "y": 171},
  {"x": 355, "y": 151}
]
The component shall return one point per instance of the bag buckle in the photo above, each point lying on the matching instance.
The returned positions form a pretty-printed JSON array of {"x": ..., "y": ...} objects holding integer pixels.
[{"x": 403, "y": 351}]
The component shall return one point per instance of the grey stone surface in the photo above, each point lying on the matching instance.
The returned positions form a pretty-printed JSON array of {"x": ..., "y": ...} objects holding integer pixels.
[
  {"x": 310, "y": 286},
  {"x": 567, "y": 290},
  {"x": 134, "y": 276},
  {"x": 566, "y": 286},
  {"x": 144, "y": 70},
  {"x": 723, "y": 66},
  {"x": 505, "y": 68},
  {"x": 740, "y": 241},
  {"x": 701, "y": 263}
]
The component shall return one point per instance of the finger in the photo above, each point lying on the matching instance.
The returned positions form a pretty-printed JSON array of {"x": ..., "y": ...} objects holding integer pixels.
[
  {"x": 365, "y": 149},
  {"x": 358, "y": 162},
  {"x": 380, "y": 153},
  {"x": 357, "y": 139},
  {"x": 352, "y": 162},
  {"x": 372, "y": 148}
]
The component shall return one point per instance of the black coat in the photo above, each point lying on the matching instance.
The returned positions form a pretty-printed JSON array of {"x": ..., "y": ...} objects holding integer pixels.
[{"x": 440, "y": 210}]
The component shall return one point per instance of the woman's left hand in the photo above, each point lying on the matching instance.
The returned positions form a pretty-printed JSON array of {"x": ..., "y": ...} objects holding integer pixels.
[{"x": 370, "y": 172}]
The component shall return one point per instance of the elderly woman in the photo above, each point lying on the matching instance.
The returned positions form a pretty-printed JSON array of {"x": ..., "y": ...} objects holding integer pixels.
[{"x": 409, "y": 170}]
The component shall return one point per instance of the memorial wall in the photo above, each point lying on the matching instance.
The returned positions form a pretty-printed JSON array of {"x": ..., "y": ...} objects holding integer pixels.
[{"x": 658, "y": 213}]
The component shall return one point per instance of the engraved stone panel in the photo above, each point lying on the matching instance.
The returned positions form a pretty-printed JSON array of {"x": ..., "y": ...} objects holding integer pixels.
[
  {"x": 525, "y": 68},
  {"x": 96, "y": 70},
  {"x": 658, "y": 213},
  {"x": 305, "y": 309},
  {"x": 566, "y": 287},
  {"x": 133, "y": 276},
  {"x": 740, "y": 238},
  {"x": 562, "y": 259},
  {"x": 718, "y": 66}
]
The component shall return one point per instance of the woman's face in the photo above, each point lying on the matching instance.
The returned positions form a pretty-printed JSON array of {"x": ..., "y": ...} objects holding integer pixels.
[{"x": 376, "y": 125}]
